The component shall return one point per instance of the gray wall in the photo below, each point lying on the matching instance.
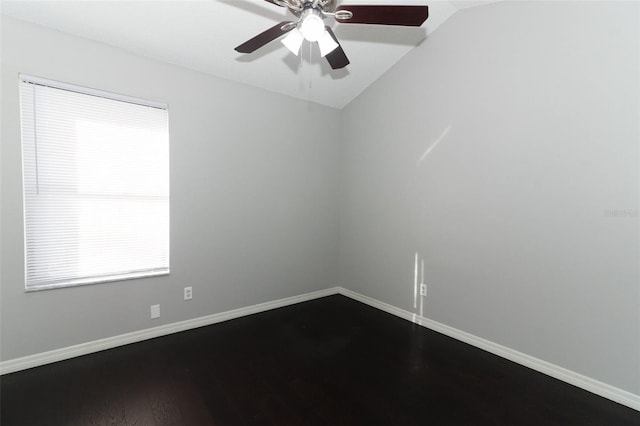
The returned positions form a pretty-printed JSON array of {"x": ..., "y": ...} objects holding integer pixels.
[
  {"x": 533, "y": 111},
  {"x": 253, "y": 196}
]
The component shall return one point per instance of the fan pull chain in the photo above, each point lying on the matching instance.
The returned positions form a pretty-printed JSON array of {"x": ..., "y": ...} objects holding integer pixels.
[{"x": 309, "y": 72}]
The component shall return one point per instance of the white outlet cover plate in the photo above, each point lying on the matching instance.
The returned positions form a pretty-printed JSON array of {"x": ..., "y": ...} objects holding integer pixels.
[{"x": 155, "y": 311}]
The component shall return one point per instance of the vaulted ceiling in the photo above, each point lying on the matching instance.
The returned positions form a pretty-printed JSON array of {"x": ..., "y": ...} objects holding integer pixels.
[{"x": 201, "y": 35}]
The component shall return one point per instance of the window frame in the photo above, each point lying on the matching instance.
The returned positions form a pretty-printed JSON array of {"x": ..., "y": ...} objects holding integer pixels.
[{"x": 113, "y": 275}]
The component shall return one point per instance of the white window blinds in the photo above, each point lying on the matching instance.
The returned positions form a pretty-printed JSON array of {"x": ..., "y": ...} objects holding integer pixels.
[{"x": 96, "y": 185}]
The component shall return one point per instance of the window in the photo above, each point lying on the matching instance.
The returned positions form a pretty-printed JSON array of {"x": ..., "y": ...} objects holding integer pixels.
[{"x": 95, "y": 183}]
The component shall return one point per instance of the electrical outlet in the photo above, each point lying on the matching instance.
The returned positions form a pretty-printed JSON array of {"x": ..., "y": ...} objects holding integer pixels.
[
  {"x": 188, "y": 293},
  {"x": 423, "y": 289},
  {"x": 155, "y": 311}
]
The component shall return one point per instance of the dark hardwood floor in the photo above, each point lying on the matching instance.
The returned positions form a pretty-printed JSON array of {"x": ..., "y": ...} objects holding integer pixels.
[{"x": 331, "y": 361}]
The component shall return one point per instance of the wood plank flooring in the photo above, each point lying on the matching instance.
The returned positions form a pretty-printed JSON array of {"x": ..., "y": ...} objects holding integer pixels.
[{"x": 331, "y": 361}]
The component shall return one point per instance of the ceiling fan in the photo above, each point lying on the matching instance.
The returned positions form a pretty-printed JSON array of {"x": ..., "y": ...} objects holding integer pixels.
[{"x": 310, "y": 25}]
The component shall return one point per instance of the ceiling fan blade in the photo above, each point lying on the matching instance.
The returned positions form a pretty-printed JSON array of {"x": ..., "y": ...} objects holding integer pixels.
[
  {"x": 265, "y": 37},
  {"x": 275, "y": 2},
  {"x": 412, "y": 16},
  {"x": 337, "y": 58}
]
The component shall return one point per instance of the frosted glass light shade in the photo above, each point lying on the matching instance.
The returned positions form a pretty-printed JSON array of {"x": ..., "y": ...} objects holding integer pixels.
[
  {"x": 312, "y": 27},
  {"x": 293, "y": 41},
  {"x": 327, "y": 44}
]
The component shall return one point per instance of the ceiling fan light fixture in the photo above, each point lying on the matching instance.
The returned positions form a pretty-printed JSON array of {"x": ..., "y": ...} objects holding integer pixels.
[
  {"x": 293, "y": 41},
  {"x": 309, "y": 25},
  {"x": 327, "y": 44},
  {"x": 312, "y": 26}
]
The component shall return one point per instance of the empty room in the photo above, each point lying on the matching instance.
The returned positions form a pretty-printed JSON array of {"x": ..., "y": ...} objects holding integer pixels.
[{"x": 320, "y": 212}]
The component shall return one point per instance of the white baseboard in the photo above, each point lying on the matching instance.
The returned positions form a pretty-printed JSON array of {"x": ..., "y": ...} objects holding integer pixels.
[
  {"x": 599, "y": 388},
  {"x": 594, "y": 386},
  {"x": 55, "y": 355}
]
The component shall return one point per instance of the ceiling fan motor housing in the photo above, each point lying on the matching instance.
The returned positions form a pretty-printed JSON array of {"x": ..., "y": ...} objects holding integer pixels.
[
  {"x": 298, "y": 7},
  {"x": 328, "y": 5}
]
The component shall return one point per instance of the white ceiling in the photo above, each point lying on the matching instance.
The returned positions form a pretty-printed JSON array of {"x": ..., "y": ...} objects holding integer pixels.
[{"x": 201, "y": 35}]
